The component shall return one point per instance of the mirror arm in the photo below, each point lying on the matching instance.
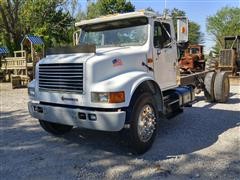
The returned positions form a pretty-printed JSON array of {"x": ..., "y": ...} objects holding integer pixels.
[{"x": 76, "y": 36}]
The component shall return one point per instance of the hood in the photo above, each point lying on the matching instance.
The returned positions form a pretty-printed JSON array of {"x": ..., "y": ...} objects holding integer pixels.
[
  {"x": 66, "y": 58},
  {"x": 101, "y": 53},
  {"x": 98, "y": 67}
]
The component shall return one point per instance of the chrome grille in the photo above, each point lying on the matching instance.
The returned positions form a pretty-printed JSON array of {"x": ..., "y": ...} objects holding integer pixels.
[{"x": 61, "y": 77}]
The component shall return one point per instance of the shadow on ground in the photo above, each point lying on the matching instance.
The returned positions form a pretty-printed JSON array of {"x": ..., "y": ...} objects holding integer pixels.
[{"x": 82, "y": 151}]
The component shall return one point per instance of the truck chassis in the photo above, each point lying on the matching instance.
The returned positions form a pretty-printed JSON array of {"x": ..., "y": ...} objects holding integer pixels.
[{"x": 129, "y": 82}]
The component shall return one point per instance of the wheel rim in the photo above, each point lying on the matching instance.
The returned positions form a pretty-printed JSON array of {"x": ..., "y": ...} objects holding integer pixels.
[{"x": 146, "y": 123}]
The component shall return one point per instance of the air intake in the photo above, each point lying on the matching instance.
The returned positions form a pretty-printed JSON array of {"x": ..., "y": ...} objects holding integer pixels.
[{"x": 66, "y": 77}]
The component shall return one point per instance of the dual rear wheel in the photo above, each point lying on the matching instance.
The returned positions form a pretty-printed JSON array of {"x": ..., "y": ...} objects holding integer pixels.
[{"x": 217, "y": 87}]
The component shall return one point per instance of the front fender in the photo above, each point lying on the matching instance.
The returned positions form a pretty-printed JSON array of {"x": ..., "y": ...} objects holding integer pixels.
[
  {"x": 127, "y": 82},
  {"x": 32, "y": 84}
]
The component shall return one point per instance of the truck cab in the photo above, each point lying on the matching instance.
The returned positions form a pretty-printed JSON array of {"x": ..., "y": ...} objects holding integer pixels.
[{"x": 122, "y": 73}]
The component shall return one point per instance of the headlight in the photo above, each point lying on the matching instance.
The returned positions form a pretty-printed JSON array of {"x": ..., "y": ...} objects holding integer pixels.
[
  {"x": 99, "y": 97},
  {"x": 31, "y": 91},
  {"x": 108, "y": 97}
]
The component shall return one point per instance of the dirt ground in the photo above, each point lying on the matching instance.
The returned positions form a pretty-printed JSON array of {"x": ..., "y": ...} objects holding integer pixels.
[{"x": 201, "y": 143}]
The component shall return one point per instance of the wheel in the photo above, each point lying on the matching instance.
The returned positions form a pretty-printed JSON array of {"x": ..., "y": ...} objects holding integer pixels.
[
  {"x": 221, "y": 87},
  {"x": 55, "y": 128},
  {"x": 143, "y": 120},
  {"x": 209, "y": 86},
  {"x": 211, "y": 64}
]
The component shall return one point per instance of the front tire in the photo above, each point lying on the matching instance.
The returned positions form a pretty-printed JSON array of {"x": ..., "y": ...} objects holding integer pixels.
[
  {"x": 55, "y": 128},
  {"x": 143, "y": 120}
]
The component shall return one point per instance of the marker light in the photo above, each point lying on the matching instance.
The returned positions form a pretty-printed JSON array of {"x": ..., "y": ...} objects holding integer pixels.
[{"x": 117, "y": 97}]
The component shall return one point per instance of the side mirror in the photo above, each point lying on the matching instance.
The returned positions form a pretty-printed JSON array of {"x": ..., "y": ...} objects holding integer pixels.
[
  {"x": 76, "y": 36},
  {"x": 182, "y": 30}
]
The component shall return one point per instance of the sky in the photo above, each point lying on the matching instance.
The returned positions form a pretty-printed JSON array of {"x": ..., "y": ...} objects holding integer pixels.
[{"x": 196, "y": 10}]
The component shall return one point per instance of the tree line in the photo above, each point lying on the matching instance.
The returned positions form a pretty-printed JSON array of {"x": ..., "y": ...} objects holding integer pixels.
[
  {"x": 54, "y": 20},
  {"x": 226, "y": 22}
]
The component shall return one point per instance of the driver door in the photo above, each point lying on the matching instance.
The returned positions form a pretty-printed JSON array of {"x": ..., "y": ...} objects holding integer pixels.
[{"x": 165, "y": 56}]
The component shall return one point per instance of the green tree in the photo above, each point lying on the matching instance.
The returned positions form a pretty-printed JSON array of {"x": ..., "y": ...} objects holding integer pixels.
[
  {"x": 226, "y": 22},
  {"x": 195, "y": 35},
  {"x": 10, "y": 27},
  {"x": 150, "y": 9},
  {"x": 47, "y": 19},
  {"x": 104, "y": 7},
  {"x": 81, "y": 15}
]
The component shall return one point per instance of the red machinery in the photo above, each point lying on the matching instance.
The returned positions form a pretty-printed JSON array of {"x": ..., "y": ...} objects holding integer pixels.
[{"x": 193, "y": 59}]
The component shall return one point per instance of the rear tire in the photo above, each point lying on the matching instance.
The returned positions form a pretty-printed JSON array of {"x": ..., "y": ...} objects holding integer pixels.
[
  {"x": 221, "y": 87},
  {"x": 209, "y": 86},
  {"x": 55, "y": 128},
  {"x": 143, "y": 120}
]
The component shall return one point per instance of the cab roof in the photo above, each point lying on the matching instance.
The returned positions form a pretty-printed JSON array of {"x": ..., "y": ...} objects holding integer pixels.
[
  {"x": 114, "y": 17},
  {"x": 232, "y": 37}
]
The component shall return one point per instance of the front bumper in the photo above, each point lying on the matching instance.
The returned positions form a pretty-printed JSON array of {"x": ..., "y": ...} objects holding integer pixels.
[{"x": 105, "y": 121}]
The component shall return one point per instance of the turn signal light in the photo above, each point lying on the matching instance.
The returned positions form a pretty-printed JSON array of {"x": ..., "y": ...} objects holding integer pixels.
[
  {"x": 117, "y": 97},
  {"x": 149, "y": 60}
]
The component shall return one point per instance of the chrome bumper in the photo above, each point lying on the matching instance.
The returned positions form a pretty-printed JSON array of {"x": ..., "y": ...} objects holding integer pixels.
[{"x": 105, "y": 121}]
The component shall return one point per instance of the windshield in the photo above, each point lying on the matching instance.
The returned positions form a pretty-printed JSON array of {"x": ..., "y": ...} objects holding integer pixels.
[
  {"x": 127, "y": 32},
  {"x": 194, "y": 51},
  {"x": 229, "y": 44}
]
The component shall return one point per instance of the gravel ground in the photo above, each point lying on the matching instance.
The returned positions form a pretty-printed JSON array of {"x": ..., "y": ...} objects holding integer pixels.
[{"x": 201, "y": 143}]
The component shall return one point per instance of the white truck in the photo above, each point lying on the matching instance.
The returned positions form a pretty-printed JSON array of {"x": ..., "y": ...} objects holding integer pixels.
[{"x": 122, "y": 73}]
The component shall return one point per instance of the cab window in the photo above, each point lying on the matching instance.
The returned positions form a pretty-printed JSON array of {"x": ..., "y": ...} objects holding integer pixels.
[
  {"x": 161, "y": 37},
  {"x": 194, "y": 51}
]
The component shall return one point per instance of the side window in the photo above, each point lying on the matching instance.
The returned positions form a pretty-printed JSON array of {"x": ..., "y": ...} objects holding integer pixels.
[
  {"x": 157, "y": 34},
  {"x": 166, "y": 38},
  {"x": 161, "y": 37}
]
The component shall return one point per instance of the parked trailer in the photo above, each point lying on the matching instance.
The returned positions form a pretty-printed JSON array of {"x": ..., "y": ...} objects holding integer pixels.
[{"x": 127, "y": 80}]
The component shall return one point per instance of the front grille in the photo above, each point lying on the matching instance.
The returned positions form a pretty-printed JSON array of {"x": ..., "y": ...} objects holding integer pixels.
[
  {"x": 225, "y": 58},
  {"x": 67, "y": 77}
]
